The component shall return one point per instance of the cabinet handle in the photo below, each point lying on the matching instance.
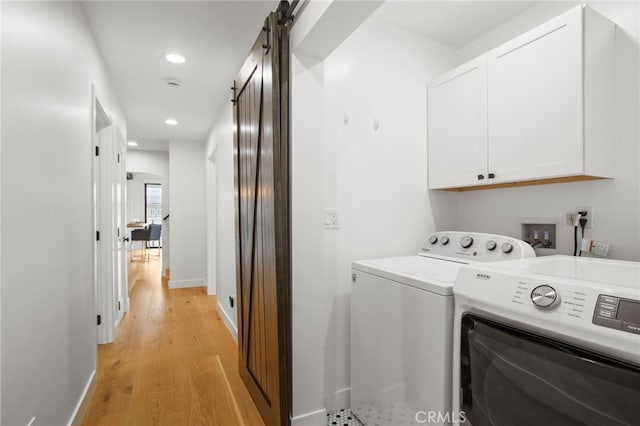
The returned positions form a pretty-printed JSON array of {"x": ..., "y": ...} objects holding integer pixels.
[
  {"x": 491, "y": 175},
  {"x": 480, "y": 177}
]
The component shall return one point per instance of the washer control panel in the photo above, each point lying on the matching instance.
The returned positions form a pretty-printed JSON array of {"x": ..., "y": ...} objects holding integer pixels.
[
  {"x": 475, "y": 247},
  {"x": 618, "y": 313}
]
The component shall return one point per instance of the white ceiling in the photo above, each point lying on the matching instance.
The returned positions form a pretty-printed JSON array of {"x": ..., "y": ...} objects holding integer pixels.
[
  {"x": 214, "y": 36},
  {"x": 455, "y": 23}
]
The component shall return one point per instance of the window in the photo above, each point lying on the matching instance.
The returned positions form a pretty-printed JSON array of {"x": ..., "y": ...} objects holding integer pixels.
[{"x": 153, "y": 207}]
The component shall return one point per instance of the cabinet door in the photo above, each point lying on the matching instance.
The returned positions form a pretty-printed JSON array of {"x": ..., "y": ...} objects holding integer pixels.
[
  {"x": 535, "y": 102},
  {"x": 458, "y": 126}
]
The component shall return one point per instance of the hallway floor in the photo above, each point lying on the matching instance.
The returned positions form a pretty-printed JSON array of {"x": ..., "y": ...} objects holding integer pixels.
[{"x": 173, "y": 361}]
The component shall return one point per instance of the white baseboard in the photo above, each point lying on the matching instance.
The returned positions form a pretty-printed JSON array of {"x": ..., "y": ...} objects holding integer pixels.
[
  {"x": 314, "y": 418},
  {"x": 227, "y": 321},
  {"x": 338, "y": 400},
  {"x": 199, "y": 282},
  {"x": 83, "y": 404}
]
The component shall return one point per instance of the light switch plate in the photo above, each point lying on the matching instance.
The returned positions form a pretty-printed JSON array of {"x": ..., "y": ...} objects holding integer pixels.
[{"x": 331, "y": 219}]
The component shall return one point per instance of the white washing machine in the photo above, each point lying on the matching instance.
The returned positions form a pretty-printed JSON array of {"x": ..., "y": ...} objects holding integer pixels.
[
  {"x": 402, "y": 327},
  {"x": 548, "y": 341}
]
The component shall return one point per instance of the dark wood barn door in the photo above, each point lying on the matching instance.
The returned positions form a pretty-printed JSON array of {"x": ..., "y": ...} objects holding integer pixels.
[{"x": 261, "y": 156}]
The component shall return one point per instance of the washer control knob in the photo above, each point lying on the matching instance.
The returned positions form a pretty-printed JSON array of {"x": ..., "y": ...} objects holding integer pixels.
[
  {"x": 466, "y": 241},
  {"x": 491, "y": 245},
  {"x": 444, "y": 241},
  {"x": 433, "y": 239},
  {"x": 507, "y": 248},
  {"x": 545, "y": 296}
]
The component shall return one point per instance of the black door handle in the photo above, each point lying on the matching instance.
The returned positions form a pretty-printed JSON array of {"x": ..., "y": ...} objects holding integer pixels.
[
  {"x": 480, "y": 177},
  {"x": 491, "y": 175}
]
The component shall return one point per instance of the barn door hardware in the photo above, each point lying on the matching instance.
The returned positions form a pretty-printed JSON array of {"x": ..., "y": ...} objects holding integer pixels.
[
  {"x": 267, "y": 29},
  {"x": 285, "y": 11}
]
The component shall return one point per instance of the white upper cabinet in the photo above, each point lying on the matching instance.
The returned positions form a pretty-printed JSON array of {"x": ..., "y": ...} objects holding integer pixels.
[
  {"x": 457, "y": 128},
  {"x": 535, "y": 102},
  {"x": 548, "y": 111}
]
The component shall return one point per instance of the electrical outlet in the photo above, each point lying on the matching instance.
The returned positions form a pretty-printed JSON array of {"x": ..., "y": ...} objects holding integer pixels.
[
  {"x": 569, "y": 219},
  {"x": 596, "y": 247},
  {"x": 331, "y": 219},
  {"x": 600, "y": 248},
  {"x": 589, "y": 211}
]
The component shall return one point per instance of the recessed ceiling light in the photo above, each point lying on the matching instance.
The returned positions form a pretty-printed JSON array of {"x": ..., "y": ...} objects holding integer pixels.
[
  {"x": 174, "y": 58},
  {"x": 171, "y": 121},
  {"x": 132, "y": 143}
]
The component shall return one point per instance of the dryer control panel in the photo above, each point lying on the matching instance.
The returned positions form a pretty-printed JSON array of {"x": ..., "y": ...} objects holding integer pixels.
[
  {"x": 591, "y": 303},
  {"x": 475, "y": 247},
  {"x": 618, "y": 313}
]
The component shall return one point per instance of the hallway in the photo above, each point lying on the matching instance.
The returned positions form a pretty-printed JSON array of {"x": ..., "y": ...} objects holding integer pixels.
[{"x": 173, "y": 361}]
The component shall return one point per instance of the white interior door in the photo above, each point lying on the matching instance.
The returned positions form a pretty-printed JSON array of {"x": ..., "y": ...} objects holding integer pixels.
[{"x": 120, "y": 271}]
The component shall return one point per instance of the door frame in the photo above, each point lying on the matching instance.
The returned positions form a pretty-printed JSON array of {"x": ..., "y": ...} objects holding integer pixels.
[{"x": 103, "y": 140}]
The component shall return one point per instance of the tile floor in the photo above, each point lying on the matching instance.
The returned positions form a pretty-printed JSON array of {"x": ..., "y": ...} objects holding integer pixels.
[{"x": 342, "y": 418}]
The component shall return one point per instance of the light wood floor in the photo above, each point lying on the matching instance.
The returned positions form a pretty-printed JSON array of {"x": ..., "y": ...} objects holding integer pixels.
[{"x": 173, "y": 361}]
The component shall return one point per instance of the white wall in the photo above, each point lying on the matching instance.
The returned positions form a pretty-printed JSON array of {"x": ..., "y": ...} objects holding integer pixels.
[
  {"x": 221, "y": 257},
  {"x": 155, "y": 162},
  {"x": 210, "y": 210},
  {"x": 0, "y": 214},
  {"x": 187, "y": 199},
  {"x": 49, "y": 60},
  {"x": 376, "y": 179},
  {"x": 616, "y": 202},
  {"x": 309, "y": 325}
]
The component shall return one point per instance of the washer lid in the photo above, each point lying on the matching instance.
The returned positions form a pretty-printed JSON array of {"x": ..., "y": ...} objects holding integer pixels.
[
  {"x": 617, "y": 273},
  {"x": 433, "y": 275}
]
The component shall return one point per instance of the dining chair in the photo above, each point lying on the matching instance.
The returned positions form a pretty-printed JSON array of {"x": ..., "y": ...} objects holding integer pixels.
[
  {"x": 141, "y": 235},
  {"x": 155, "y": 231}
]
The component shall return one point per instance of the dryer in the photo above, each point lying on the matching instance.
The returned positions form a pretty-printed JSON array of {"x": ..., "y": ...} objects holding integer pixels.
[
  {"x": 402, "y": 327},
  {"x": 553, "y": 341}
]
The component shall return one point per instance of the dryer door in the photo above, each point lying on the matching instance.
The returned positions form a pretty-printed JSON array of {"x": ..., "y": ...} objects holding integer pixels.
[{"x": 512, "y": 377}]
